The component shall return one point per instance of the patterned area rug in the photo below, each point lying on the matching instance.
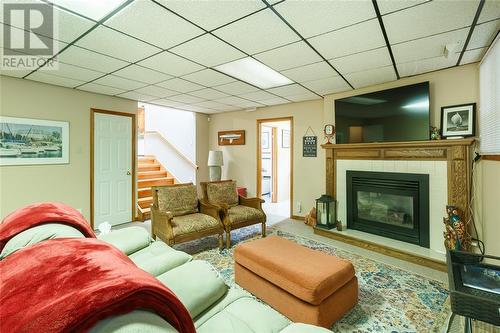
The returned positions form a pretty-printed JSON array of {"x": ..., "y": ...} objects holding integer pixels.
[{"x": 390, "y": 299}]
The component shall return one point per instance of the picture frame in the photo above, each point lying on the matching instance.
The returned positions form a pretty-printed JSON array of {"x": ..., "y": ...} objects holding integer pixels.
[
  {"x": 458, "y": 120},
  {"x": 264, "y": 140},
  {"x": 26, "y": 141},
  {"x": 285, "y": 138}
]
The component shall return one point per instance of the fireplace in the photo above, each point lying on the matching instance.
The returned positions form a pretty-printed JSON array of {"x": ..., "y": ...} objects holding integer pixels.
[{"x": 394, "y": 205}]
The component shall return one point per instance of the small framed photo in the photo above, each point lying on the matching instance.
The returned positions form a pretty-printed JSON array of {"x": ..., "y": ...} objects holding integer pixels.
[
  {"x": 458, "y": 120},
  {"x": 285, "y": 138}
]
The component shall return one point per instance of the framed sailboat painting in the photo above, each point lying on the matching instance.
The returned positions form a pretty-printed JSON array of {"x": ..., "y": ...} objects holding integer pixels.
[
  {"x": 26, "y": 141},
  {"x": 458, "y": 121}
]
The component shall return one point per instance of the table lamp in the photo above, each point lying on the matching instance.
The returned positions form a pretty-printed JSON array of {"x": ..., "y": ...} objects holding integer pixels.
[{"x": 215, "y": 161}]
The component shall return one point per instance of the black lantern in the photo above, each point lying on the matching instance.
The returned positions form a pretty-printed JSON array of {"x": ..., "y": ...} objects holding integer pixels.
[{"x": 325, "y": 212}]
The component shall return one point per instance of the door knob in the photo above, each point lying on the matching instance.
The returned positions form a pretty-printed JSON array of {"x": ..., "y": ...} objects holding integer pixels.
[{"x": 128, "y": 173}]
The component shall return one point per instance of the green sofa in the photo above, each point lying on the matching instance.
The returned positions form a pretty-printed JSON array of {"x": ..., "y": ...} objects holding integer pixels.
[{"x": 213, "y": 306}]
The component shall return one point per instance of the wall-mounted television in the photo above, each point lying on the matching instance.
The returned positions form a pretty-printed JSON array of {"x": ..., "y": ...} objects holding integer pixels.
[{"x": 398, "y": 114}]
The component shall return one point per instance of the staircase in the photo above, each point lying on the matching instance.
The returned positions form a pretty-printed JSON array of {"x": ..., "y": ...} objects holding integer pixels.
[{"x": 150, "y": 173}]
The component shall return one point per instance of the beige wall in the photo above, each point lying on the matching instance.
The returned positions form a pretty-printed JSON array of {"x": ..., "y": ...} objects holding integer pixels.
[
  {"x": 489, "y": 204},
  {"x": 68, "y": 183},
  {"x": 202, "y": 135}
]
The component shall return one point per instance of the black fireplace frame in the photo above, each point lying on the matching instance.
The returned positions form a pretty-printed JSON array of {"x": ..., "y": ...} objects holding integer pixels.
[{"x": 408, "y": 184}]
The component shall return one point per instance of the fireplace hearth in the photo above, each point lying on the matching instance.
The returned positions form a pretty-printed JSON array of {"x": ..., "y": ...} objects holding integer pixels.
[{"x": 389, "y": 204}]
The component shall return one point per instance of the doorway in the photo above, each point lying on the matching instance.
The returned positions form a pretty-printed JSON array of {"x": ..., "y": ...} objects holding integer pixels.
[
  {"x": 112, "y": 167},
  {"x": 275, "y": 165}
]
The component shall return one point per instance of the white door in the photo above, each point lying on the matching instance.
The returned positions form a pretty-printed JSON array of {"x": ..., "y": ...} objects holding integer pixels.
[{"x": 112, "y": 169}]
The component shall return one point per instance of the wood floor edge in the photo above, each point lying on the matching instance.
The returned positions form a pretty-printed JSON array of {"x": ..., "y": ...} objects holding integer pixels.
[{"x": 399, "y": 254}]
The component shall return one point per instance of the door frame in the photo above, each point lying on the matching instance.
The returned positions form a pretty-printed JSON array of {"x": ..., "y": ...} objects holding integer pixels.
[
  {"x": 133, "y": 159},
  {"x": 259, "y": 155}
]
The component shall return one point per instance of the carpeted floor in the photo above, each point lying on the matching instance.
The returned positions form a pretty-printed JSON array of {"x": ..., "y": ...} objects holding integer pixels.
[{"x": 390, "y": 299}]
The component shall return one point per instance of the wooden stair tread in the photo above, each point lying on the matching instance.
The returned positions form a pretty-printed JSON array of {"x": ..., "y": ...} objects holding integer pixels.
[{"x": 152, "y": 174}]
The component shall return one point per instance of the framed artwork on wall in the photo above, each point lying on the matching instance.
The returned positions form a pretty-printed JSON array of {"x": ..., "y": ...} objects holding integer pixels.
[
  {"x": 285, "y": 138},
  {"x": 458, "y": 120},
  {"x": 25, "y": 141}
]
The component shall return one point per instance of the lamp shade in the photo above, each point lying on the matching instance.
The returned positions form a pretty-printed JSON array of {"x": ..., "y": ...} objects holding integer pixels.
[{"x": 215, "y": 158}]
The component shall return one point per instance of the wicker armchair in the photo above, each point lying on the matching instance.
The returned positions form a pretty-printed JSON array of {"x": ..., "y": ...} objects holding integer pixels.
[
  {"x": 236, "y": 211},
  {"x": 178, "y": 216}
]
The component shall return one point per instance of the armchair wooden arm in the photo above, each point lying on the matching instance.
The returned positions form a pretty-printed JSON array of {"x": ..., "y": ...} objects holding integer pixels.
[
  {"x": 161, "y": 224},
  {"x": 210, "y": 209},
  {"x": 251, "y": 202}
]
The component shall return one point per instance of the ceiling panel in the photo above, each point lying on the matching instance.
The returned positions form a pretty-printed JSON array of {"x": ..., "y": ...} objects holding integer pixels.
[
  {"x": 56, "y": 80},
  {"x": 357, "y": 38},
  {"x": 168, "y": 29},
  {"x": 312, "y": 18},
  {"x": 136, "y": 96},
  {"x": 426, "y": 65},
  {"x": 180, "y": 85},
  {"x": 19, "y": 71},
  {"x": 100, "y": 89},
  {"x": 209, "y": 78},
  {"x": 119, "y": 82},
  {"x": 215, "y": 106},
  {"x": 71, "y": 72},
  {"x": 427, "y": 19},
  {"x": 490, "y": 11},
  {"x": 484, "y": 34},
  {"x": 40, "y": 41},
  {"x": 388, "y": 6},
  {"x": 212, "y": 14},
  {"x": 184, "y": 98},
  {"x": 233, "y": 100},
  {"x": 77, "y": 56},
  {"x": 362, "y": 61},
  {"x": 208, "y": 50},
  {"x": 115, "y": 44},
  {"x": 319, "y": 70},
  {"x": 289, "y": 90},
  {"x": 195, "y": 108},
  {"x": 471, "y": 56},
  {"x": 256, "y": 30},
  {"x": 328, "y": 85},
  {"x": 156, "y": 91},
  {"x": 208, "y": 93},
  {"x": 236, "y": 88},
  {"x": 142, "y": 74},
  {"x": 172, "y": 64},
  {"x": 96, "y": 11},
  {"x": 371, "y": 77},
  {"x": 289, "y": 56},
  {"x": 304, "y": 97},
  {"x": 167, "y": 103},
  {"x": 275, "y": 101},
  {"x": 258, "y": 96}
]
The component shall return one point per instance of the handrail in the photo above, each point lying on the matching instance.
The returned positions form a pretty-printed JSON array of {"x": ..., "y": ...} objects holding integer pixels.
[{"x": 165, "y": 140}]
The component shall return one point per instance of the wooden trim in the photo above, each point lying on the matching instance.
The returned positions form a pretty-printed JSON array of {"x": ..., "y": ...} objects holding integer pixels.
[
  {"x": 399, "y": 144},
  {"x": 298, "y": 218},
  {"x": 178, "y": 152},
  {"x": 388, "y": 251},
  {"x": 274, "y": 195},
  {"x": 133, "y": 159},
  {"x": 259, "y": 157},
  {"x": 490, "y": 157}
]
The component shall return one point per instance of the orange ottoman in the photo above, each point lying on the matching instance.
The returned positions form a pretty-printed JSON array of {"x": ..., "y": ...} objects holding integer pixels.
[{"x": 305, "y": 285}]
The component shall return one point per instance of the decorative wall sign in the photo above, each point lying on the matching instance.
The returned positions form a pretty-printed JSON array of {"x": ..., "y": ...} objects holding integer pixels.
[
  {"x": 310, "y": 146},
  {"x": 26, "y": 141},
  {"x": 458, "y": 120},
  {"x": 231, "y": 138}
]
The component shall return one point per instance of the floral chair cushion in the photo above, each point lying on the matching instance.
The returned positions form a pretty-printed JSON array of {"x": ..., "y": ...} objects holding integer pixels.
[
  {"x": 186, "y": 224},
  {"x": 177, "y": 199},
  {"x": 240, "y": 213},
  {"x": 222, "y": 192}
]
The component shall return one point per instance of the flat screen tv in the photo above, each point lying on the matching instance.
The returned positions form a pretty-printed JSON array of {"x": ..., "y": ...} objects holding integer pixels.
[{"x": 399, "y": 114}]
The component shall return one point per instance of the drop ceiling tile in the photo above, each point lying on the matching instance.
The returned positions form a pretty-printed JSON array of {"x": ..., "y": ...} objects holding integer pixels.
[
  {"x": 289, "y": 90},
  {"x": 212, "y": 14},
  {"x": 208, "y": 93},
  {"x": 289, "y": 56},
  {"x": 426, "y": 65},
  {"x": 262, "y": 31},
  {"x": 232, "y": 100},
  {"x": 80, "y": 57},
  {"x": 357, "y": 38},
  {"x": 18, "y": 71},
  {"x": 134, "y": 95},
  {"x": 430, "y": 18},
  {"x": 328, "y": 85},
  {"x": 471, "y": 56},
  {"x": 258, "y": 96},
  {"x": 96, "y": 11},
  {"x": 236, "y": 88},
  {"x": 71, "y": 72},
  {"x": 312, "y": 18},
  {"x": 180, "y": 85},
  {"x": 362, "y": 61},
  {"x": 371, "y": 77},
  {"x": 208, "y": 50},
  {"x": 142, "y": 74},
  {"x": 429, "y": 47},
  {"x": 275, "y": 101},
  {"x": 56, "y": 80},
  {"x": 193, "y": 108},
  {"x": 167, "y": 103},
  {"x": 304, "y": 97},
  {"x": 120, "y": 83},
  {"x": 169, "y": 63},
  {"x": 490, "y": 11},
  {"x": 484, "y": 34},
  {"x": 110, "y": 42},
  {"x": 389, "y": 6},
  {"x": 100, "y": 89},
  {"x": 39, "y": 41},
  {"x": 183, "y": 98},
  {"x": 156, "y": 91},
  {"x": 167, "y": 30},
  {"x": 214, "y": 105},
  {"x": 249, "y": 104},
  {"x": 316, "y": 71},
  {"x": 209, "y": 78}
]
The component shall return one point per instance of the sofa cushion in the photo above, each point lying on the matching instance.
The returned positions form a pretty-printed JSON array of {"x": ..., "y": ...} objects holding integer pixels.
[
  {"x": 37, "y": 234},
  {"x": 196, "y": 284},
  {"x": 137, "y": 321},
  {"x": 241, "y": 213},
  {"x": 180, "y": 199},
  {"x": 186, "y": 224},
  {"x": 304, "y": 328},
  {"x": 222, "y": 192},
  {"x": 128, "y": 240},
  {"x": 159, "y": 258}
]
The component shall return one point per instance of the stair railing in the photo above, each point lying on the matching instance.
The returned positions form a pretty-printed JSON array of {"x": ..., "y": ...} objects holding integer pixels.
[{"x": 174, "y": 148}]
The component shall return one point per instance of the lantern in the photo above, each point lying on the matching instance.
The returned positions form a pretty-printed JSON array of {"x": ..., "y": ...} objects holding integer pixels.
[{"x": 325, "y": 212}]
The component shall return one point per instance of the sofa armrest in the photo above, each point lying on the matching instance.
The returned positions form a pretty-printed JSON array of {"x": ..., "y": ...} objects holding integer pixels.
[
  {"x": 161, "y": 223},
  {"x": 251, "y": 202},
  {"x": 210, "y": 209}
]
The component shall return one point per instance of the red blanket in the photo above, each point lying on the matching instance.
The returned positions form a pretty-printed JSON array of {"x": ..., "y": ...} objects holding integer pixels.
[
  {"x": 68, "y": 285},
  {"x": 41, "y": 213}
]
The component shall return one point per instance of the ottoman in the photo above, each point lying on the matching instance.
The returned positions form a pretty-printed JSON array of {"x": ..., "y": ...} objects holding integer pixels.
[{"x": 305, "y": 285}]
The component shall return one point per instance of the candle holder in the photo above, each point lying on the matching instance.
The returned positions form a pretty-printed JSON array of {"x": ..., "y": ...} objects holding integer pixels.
[{"x": 326, "y": 212}]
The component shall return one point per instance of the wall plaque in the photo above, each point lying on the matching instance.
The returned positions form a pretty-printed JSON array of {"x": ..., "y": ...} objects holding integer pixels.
[{"x": 309, "y": 146}]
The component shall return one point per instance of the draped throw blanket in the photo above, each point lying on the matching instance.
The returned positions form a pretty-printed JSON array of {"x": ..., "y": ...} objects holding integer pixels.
[
  {"x": 68, "y": 285},
  {"x": 40, "y": 213}
]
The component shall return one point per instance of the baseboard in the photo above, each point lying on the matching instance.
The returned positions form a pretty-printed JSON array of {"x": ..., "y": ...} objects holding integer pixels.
[{"x": 298, "y": 218}]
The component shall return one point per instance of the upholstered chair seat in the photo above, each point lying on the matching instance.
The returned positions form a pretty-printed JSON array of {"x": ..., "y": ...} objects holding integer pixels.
[
  {"x": 197, "y": 222},
  {"x": 238, "y": 214}
]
